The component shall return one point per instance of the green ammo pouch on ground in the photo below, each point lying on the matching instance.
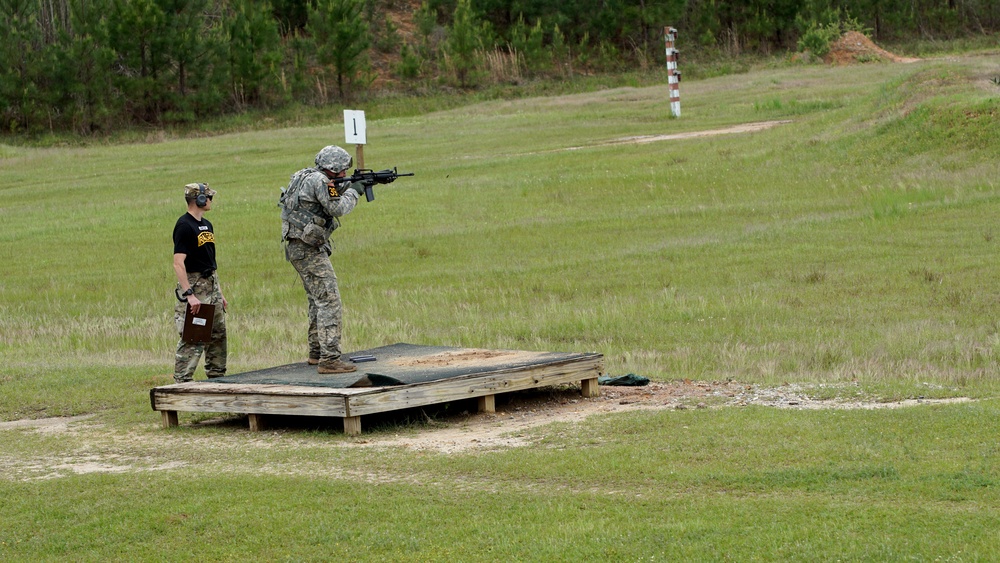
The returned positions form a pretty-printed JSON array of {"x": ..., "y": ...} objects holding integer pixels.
[{"x": 630, "y": 380}]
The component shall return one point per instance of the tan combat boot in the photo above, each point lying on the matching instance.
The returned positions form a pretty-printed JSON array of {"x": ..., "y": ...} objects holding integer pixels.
[{"x": 334, "y": 366}]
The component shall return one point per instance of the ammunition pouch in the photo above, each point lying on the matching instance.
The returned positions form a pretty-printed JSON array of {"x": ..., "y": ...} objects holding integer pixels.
[
  {"x": 307, "y": 227},
  {"x": 313, "y": 235}
]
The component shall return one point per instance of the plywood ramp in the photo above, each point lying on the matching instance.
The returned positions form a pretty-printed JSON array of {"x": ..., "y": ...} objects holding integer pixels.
[{"x": 401, "y": 377}]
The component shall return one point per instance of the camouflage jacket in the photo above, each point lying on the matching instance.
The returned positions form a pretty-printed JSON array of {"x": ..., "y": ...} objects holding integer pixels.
[{"x": 309, "y": 202}]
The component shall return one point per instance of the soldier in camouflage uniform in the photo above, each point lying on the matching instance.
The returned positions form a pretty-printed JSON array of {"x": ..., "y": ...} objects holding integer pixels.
[
  {"x": 310, "y": 208},
  {"x": 197, "y": 283}
]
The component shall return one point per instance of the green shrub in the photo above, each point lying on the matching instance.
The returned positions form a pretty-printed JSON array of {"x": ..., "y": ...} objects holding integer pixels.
[
  {"x": 409, "y": 63},
  {"x": 818, "y": 37}
]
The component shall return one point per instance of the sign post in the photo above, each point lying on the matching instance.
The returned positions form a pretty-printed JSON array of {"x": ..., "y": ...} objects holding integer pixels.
[
  {"x": 355, "y": 132},
  {"x": 673, "y": 75}
]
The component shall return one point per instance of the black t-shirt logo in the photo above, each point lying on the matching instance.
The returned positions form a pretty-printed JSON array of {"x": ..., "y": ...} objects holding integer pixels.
[{"x": 205, "y": 238}]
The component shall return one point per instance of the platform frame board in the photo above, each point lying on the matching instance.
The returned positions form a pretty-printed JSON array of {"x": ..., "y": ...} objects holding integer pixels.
[{"x": 350, "y": 403}]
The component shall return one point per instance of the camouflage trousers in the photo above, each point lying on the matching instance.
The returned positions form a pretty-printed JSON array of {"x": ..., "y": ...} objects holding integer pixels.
[
  {"x": 325, "y": 313},
  {"x": 188, "y": 353}
]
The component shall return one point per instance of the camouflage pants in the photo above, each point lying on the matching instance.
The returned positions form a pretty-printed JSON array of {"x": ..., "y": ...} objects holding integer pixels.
[
  {"x": 188, "y": 353},
  {"x": 325, "y": 313}
]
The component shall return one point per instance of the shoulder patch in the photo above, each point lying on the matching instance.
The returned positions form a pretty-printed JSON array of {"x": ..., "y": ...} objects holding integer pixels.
[{"x": 333, "y": 190}]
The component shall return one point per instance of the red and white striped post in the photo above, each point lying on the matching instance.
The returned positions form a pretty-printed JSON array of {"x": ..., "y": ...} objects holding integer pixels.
[{"x": 673, "y": 75}]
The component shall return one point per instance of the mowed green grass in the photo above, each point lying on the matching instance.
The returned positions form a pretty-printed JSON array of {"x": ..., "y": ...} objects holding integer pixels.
[
  {"x": 853, "y": 244},
  {"x": 742, "y": 484}
]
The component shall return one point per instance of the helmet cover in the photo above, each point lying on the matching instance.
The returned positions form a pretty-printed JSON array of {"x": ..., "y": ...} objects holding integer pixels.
[{"x": 334, "y": 159}]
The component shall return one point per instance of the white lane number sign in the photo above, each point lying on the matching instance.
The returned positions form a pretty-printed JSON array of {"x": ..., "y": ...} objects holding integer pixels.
[{"x": 354, "y": 127}]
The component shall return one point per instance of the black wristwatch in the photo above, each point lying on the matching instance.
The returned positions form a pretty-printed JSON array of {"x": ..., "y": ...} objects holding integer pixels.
[{"x": 181, "y": 296}]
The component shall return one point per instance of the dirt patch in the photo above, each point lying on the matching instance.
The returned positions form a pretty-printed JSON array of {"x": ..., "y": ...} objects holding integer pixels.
[
  {"x": 54, "y": 424},
  {"x": 399, "y": 15},
  {"x": 528, "y": 409},
  {"x": 447, "y": 431},
  {"x": 854, "y": 47},
  {"x": 642, "y": 139}
]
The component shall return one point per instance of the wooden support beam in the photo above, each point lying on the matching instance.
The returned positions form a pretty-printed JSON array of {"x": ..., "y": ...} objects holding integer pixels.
[
  {"x": 352, "y": 425},
  {"x": 589, "y": 388},
  {"x": 487, "y": 403},
  {"x": 205, "y": 396},
  {"x": 256, "y": 422},
  {"x": 169, "y": 418},
  {"x": 369, "y": 400}
]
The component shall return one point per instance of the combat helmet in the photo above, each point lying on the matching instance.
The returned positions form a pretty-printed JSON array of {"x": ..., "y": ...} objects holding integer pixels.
[{"x": 334, "y": 159}]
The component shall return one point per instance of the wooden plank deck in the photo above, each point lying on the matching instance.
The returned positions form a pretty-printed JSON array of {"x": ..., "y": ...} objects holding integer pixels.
[{"x": 409, "y": 375}]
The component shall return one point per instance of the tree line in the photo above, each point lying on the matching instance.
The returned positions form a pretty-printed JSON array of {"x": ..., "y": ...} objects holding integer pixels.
[{"x": 96, "y": 65}]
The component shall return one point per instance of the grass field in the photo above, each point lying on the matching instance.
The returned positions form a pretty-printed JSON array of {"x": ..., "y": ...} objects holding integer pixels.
[{"x": 855, "y": 243}]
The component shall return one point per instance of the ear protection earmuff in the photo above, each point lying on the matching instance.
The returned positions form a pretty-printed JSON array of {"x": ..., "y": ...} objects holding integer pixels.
[{"x": 202, "y": 199}]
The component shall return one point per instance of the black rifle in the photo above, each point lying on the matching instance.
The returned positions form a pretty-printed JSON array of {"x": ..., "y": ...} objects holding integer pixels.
[{"x": 369, "y": 178}]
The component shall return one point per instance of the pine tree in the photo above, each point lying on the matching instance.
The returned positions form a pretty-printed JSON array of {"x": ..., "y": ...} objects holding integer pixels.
[
  {"x": 81, "y": 69},
  {"x": 20, "y": 46},
  {"x": 254, "y": 51},
  {"x": 464, "y": 43},
  {"x": 341, "y": 37}
]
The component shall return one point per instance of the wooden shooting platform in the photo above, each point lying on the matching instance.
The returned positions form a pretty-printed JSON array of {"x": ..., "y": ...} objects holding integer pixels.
[{"x": 401, "y": 376}]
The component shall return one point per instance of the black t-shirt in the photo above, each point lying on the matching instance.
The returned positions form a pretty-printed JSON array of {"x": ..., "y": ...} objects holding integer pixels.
[{"x": 196, "y": 239}]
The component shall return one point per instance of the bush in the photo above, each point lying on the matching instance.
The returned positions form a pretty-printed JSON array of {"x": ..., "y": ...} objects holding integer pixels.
[
  {"x": 816, "y": 40},
  {"x": 409, "y": 63}
]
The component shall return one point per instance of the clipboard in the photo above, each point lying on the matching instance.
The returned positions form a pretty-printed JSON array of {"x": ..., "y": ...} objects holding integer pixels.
[{"x": 198, "y": 327}]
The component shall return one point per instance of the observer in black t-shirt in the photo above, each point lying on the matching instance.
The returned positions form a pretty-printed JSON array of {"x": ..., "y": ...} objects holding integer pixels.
[{"x": 197, "y": 284}]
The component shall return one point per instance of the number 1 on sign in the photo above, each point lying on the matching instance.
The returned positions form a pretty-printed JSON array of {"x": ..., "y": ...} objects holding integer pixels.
[{"x": 354, "y": 127}]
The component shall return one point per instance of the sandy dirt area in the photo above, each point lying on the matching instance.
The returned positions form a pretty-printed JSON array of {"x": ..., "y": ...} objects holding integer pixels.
[
  {"x": 456, "y": 430},
  {"x": 517, "y": 412}
]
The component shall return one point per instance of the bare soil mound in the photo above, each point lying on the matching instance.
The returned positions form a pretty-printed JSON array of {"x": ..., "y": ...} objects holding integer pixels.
[{"x": 854, "y": 47}]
